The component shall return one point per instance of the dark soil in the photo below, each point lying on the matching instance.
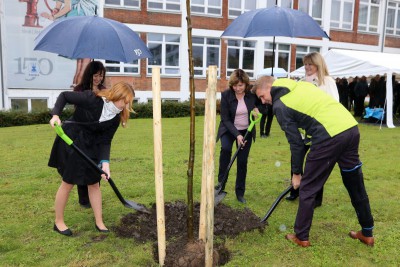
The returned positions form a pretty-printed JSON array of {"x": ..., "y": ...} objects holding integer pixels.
[{"x": 228, "y": 222}]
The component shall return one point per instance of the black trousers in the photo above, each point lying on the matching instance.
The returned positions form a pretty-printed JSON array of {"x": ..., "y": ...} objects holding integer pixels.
[
  {"x": 83, "y": 194},
  {"x": 227, "y": 141},
  {"x": 341, "y": 149},
  {"x": 265, "y": 128}
]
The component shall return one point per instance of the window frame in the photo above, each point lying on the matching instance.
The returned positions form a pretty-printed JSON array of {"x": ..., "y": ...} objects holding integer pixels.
[
  {"x": 395, "y": 30},
  {"x": 310, "y": 10},
  {"x": 341, "y": 21},
  {"x": 163, "y": 66},
  {"x": 367, "y": 27},
  {"x": 241, "y": 48},
  {"x": 164, "y": 4},
  {"x": 277, "y": 51},
  {"x": 242, "y": 8},
  {"x": 205, "y": 47},
  {"x": 122, "y": 5},
  {"x": 207, "y": 7}
]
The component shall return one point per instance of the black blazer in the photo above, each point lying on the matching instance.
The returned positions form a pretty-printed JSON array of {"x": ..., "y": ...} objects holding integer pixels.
[{"x": 228, "y": 108}]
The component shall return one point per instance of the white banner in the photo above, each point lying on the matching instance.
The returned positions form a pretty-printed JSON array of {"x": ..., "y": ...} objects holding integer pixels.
[{"x": 25, "y": 67}]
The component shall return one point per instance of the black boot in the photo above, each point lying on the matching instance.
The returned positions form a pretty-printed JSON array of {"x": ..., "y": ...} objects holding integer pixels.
[
  {"x": 294, "y": 193},
  {"x": 83, "y": 195}
]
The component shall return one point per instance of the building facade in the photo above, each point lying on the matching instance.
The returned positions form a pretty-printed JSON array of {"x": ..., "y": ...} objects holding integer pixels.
[{"x": 370, "y": 25}]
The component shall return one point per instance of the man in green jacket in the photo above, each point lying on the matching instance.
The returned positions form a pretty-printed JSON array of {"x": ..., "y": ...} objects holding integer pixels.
[{"x": 334, "y": 139}]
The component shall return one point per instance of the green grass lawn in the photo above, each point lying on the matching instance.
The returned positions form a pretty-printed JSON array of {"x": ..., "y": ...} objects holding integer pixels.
[{"x": 28, "y": 187}]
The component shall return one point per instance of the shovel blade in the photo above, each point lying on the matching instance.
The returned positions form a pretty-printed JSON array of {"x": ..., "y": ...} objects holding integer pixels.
[
  {"x": 218, "y": 197},
  {"x": 136, "y": 206}
]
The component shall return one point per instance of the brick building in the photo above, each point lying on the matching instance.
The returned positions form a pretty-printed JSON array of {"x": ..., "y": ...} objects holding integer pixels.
[
  {"x": 351, "y": 24},
  {"x": 30, "y": 80}
]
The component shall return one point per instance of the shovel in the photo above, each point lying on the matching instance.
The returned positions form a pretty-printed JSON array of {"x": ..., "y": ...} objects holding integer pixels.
[
  {"x": 127, "y": 203},
  {"x": 219, "y": 193},
  {"x": 278, "y": 199}
]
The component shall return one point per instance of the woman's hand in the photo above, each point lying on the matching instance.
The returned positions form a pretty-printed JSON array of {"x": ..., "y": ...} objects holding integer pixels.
[
  {"x": 55, "y": 119},
  {"x": 240, "y": 140},
  {"x": 105, "y": 166},
  {"x": 296, "y": 179}
]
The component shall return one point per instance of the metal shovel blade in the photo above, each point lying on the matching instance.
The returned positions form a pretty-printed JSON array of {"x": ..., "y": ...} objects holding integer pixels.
[
  {"x": 136, "y": 206},
  {"x": 219, "y": 195}
]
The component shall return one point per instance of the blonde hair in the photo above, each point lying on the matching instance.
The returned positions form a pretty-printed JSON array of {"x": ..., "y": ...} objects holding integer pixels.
[
  {"x": 315, "y": 58},
  {"x": 118, "y": 91},
  {"x": 262, "y": 82}
]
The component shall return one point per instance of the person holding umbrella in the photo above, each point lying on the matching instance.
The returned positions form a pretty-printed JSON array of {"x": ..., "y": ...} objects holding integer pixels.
[
  {"x": 93, "y": 79},
  {"x": 69, "y": 8},
  {"x": 95, "y": 121},
  {"x": 236, "y": 104},
  {"x": 335, "y": 139}
]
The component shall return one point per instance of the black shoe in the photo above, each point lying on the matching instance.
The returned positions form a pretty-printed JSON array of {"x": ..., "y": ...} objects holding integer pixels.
[
  {"x": 291, "y": 197},
  {"x": 85, "y": 205},
  {"x": 241, "y": 199},
  {"x": 101, "y": 230},
  {"x": 317, "y": 204},
  {"x": 66, "y": 232},
  {"x": 218, "y": 187}
]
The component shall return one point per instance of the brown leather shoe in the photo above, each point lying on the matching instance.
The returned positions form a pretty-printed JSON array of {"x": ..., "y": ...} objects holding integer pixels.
[
  {"x": 294, "y": 239},
  {"x": 369, "y": 241}
]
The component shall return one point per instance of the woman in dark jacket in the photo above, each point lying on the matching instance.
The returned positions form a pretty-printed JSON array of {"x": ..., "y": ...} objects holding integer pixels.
[
  {"x": 95, "y": 121},
  {"x": 236, "y": 104}
]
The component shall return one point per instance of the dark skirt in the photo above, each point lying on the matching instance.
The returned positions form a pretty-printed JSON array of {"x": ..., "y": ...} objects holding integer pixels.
[{"x": 72, "y": 167}]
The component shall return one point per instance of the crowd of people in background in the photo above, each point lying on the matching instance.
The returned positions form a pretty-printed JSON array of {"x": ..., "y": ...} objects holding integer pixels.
[{"x": 358, "y": 94}]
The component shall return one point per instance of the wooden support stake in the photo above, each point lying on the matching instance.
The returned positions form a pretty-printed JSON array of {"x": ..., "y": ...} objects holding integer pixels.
[
  {"x": 158, "y": 170},
  {"x": 206, "y": 228}
]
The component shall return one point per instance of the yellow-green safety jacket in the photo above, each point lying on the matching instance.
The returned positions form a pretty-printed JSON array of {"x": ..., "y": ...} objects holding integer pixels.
[{"x": 302, "y": 105}]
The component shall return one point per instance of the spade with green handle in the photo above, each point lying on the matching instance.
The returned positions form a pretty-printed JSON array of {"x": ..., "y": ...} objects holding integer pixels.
[{"x": 127, "y": 203}]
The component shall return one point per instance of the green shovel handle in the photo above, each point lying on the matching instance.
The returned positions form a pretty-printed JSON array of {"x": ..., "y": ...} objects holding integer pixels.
[
  {"x": 252, "y": 121},
  {"x": 62, "y": 135}
]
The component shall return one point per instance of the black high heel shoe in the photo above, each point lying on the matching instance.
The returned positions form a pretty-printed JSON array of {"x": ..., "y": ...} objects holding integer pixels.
[
  {"x": 101, "y": 230},
  {"x": 66, "y": 232}
]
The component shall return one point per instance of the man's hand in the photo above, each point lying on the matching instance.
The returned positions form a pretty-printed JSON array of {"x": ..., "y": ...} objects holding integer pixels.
[{"x": 296, "y": 179}]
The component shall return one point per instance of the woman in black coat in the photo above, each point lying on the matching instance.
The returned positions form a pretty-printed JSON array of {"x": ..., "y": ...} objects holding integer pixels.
[
  {"x": 236, "y": 104},
  {"x": 92, "y": 128}
]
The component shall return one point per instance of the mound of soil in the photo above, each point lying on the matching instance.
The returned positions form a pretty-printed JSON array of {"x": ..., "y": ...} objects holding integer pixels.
[{"x": 228, "y": 222}]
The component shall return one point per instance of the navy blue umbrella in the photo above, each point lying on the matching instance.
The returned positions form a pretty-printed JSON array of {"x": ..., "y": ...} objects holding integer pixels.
[
  {"x": 274, "y": 21},
  {"x": 92, "y": 37}
]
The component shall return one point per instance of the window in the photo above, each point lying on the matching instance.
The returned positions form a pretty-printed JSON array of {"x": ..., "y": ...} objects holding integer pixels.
[
  {"x": 237, "y": 7},
  {"x": 368, "y": 15},
  {"x": 208, "y": 7},
  {"x": 282, "y": 56},
  {"x": 393, "y": 18},
  {"x": 123, "y": 3},
  {"x": 28, "y": 104},
  {"x": 165, "y": 50},
  {"x": 38, "y": 105},
  {"x": 342, "y": 12},
  {"x": 115, "y": 67},
  {"x": 301, "y": 51},
  {"x": 240, "y": 56},
  {"x": 167, "y": 5},
  {"x": 205, "y": 53},
  {"x": 312, "y": 8}
]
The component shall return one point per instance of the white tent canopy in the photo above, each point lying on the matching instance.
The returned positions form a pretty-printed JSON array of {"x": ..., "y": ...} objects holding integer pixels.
[{"x": 351, "y": 63}]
